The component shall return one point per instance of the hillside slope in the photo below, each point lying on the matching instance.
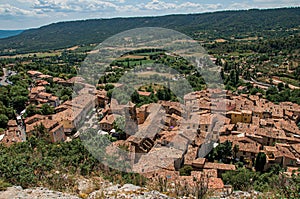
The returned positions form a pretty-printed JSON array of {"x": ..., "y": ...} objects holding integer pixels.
[{"x": 225, "y": 24}]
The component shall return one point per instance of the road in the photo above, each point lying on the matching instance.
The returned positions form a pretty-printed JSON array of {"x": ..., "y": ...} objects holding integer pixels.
[
  {"x": 4, "y": 81},
  {"x": 253, "y": 81},
  {"x": 4, "y": 77}
]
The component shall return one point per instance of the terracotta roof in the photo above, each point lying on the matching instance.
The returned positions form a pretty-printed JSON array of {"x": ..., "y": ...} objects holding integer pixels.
[
  {"x": 109, "y": 119},
  {"x": 48, "y": 124},
  {"x": 38, "y": 89},
  {"x": 206, "y": 119},
  {"x": 199, "y": 161},
  {"x": 219, "y": 166},
  {"x": 11, "y": 137},
  {"x": 247, "y": 112},
  {"x": 43, "y": 94},
  {"x": 143, "y": 93},
  {"x": 41, "y": 82},
  {"x": 45, "y": 76},
  {"x": 57, "y": 79},
  {"x": 53, "y": 98},
  {"x": 75, "y": 80},
  {"x": 32, "y": 72},
  {"x": 215, "y": 183},
  {"x": 191, "y": 155},
  {"x": 12, "y": 123},
  {"x": 210, "y": 173},
  {"x": 33, "y": 118}
]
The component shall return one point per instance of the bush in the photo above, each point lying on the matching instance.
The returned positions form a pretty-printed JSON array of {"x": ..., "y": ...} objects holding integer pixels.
[{"x": 185, "y": 171}]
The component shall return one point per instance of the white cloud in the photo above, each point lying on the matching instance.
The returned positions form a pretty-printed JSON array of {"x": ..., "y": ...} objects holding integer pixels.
[
  {"x": 73, "y": 5},
  {"x": 158, "y": 5},
  {"x": 276, "y": 3},
  {"x": 238, "y": 6},
  {"x": 9, "y": 10}
]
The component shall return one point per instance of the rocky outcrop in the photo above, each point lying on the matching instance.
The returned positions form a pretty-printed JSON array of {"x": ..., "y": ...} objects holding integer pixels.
[
  {"x": 17, "y": 192},
  {"x": 86, "y": 189},
  {"x": 126, "y": 191}
]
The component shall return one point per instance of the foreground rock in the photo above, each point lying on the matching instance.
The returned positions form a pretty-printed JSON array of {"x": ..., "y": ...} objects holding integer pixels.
[
  {"x": 110, "y": 192},
  {"x": 35, "y": 193},
  {"x": 126, "y": 191}
]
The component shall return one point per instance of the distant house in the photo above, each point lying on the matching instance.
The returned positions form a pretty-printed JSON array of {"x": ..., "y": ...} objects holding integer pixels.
[
  {"x": 220, "y": 167},
  {"x": 143, "y": 93},
  {"x": 34, "y": 74},
  {"x": 39, "y": 96},
  {"x": 280, "y": 154},
  {"x": 245, "y": 116},
  {"x": 55, "y": 130},
  {"x": 106, "y": 123},
  {"x": 74, "y": 112}
]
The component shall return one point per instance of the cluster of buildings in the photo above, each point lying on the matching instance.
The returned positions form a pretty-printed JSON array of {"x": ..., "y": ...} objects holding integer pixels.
[
  {"x": 12, "y": 135},
  {"x": 169, "y": 135},
  {"x": 67, "y": 117},
  {"x": 164, "y": 137}
]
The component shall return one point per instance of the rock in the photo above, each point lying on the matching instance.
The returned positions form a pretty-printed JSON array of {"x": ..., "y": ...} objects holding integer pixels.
[
  {"x": 113, "y": 188},
  {"x": 36, "y": 193},
  {"x": 85, "y": 186},
  {"x": 130, "y": 187},
  {"x": 96, "y": 194}
]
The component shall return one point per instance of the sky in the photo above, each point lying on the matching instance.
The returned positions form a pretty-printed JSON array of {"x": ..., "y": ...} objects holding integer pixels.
[{"x": 24, "y": 14}]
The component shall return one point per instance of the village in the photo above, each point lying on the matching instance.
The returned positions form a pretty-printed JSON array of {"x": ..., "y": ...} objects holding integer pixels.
[{"x": 166, "y": 136}]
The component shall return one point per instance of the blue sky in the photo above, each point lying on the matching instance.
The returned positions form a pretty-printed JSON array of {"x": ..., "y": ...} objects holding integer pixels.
[{"x": 22, "y": 14}]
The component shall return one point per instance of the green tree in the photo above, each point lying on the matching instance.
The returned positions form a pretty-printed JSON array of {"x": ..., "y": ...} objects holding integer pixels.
[
  {"x": 186, "y": 170},
  {"x": 260, "y": 161},
  {"x": 109, "y": 87},
  {"x": 47, "y": 109},
  {"x": 19, "y": 102},
  {"x": 236, "y": 149},
  {"x": 135, "y": 97},
  {"x": 3, "y": 121},
  {"x": 241, "y": 179},
  {"x": 31, "y": 110},
  {"x": 280, "y": 86}
]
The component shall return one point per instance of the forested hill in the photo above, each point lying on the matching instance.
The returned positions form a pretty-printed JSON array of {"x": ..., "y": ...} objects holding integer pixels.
[{"x": 226, "y": 24}]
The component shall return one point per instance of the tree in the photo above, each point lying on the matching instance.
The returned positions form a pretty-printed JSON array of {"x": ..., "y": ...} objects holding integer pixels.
[
  {"x": 19, "y": 102},
  {"x": 260, "y": 161},
  {"x": 109, "y": 87},
  {"x": 31, "y": 110},
  {"x": 64, "y": 98},
  {"x": 222, "y": 74},
  {"x": 185, "y": 171},
  {"x": 280, "y": 86},
  {"x": 135, "y": 97},
  {"x": 223, "y": 152},
  {"x": 3, "y": 121},
  {"x": 164, "y": 94},
  {"x": 240, "y": 179},
  {"x": 41, "y": 132},
  {"x": 236, "y": 149},
  {"x": 47, "y": 109}
]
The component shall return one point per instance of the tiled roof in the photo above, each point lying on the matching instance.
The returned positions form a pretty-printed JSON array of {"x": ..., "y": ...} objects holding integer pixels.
[{"x": 219, "y": 166}]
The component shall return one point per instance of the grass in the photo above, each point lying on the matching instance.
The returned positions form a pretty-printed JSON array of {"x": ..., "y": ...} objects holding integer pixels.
[
  {"x": 38, "y": 55},
  {"x": 289, "y": 81},
  {"x": 4, "y": 185}
]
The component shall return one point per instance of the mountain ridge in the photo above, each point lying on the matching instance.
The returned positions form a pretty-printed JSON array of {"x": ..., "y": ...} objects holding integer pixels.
[{"x": 222, "y": 24}]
